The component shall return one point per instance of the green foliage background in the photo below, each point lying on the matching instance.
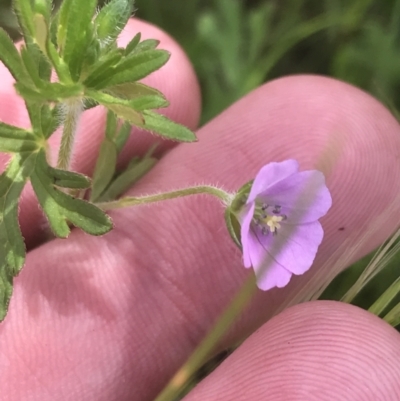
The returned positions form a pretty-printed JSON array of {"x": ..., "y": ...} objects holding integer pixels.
[{"x": 236, "y": 45}]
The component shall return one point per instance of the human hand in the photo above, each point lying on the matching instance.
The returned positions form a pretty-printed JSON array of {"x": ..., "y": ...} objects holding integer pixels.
[{"x": 112, "y": 318}]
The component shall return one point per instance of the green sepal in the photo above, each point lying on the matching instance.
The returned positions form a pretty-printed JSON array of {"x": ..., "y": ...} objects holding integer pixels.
[
  {"x": 131, "y": 68},
  {"x": 241, "y": 197},
  {"x": 12, "y": 247},
  {"x": 15, "y": 140},
  {"x": 10, "y": 57},
  {"x": 233, "y": 226},
  {"x": 61, "y": 208},
  {"x": 111, "y": 19},
  {"x": 105, "y": 168},
  {"x": 166, "y": 128},
  {"x": 75, "y": 32},
  {"x": 234, "y": 209}
]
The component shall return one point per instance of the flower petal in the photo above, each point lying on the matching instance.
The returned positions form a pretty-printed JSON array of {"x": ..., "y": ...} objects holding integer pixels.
[
  {"x": 303, "y": 196},
  {"x": 271, "y": 174},
  {"x": 295, "y": 247},
  {"x": 246, "y": 217},
  {"x": 269, "y": 272}
]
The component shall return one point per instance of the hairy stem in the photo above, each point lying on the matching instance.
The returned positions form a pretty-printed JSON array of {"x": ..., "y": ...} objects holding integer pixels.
[
  {"x": 73, "y": 111},
  {"x": 142, "y": 200}
]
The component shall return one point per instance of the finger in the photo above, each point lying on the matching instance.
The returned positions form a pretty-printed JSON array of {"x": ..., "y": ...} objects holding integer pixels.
[
  {"x": 315, "y": 351},
  {"x": 176, "y": 80},
  {"x": 136, "y": 301}
]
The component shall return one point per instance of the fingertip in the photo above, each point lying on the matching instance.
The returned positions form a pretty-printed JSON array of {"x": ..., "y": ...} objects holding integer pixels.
[{"x": 316, "y": 351}]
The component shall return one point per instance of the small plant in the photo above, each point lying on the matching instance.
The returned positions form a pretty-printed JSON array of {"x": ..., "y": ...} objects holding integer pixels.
[{"x": 70, "y": 62}]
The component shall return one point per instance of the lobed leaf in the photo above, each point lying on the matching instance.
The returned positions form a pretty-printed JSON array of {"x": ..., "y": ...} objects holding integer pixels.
[
  {"x": 10, "y": 57},
  {"x": 122, "y": 136},
  {"x": 23, "y": 10},
  {"x": 132, "y": 90},
  {"x": 75, "y": 32},
  {"x": 105, "y": 168},
  {"x": 111, "y": 19},
  {"x": 49, "y": 92},
  {"x": 131, "y": 68},
  {"x": 122, "y": 108},
  {"x": 163, "y": 126},
  {"x": 133, "y": 43},
  {"x": 12, "y": 247},
  {"x": 147, "y": 44},
  {"x": 15, "y": 140},
  {"x": 102, "y": 69},
  {"x": 61, "y": 208},
  {"x": 133, "y": 173}
]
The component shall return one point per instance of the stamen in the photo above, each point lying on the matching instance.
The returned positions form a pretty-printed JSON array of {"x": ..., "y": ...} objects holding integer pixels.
[{"x": 277, "y": 209}]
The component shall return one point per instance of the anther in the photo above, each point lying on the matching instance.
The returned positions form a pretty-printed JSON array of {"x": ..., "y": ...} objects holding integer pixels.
[{"x": 277, "y": 209}]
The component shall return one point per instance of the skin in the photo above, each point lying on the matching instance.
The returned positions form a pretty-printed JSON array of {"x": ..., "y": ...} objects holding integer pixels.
[{"x": 112, "y": 318}]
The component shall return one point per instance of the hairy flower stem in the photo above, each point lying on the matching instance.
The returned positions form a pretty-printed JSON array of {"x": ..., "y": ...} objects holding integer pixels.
[
  {"x": 209, "y": 343},
  {"x": 142, "y": 200},
  {"x": 73, "y": 111}
]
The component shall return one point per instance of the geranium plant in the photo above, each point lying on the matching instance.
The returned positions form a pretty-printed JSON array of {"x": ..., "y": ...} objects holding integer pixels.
[{"x": 69, "y": 62}]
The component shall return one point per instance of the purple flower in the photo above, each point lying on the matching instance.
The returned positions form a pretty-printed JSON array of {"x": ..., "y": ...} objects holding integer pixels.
[{"x": 280, "y": 232}]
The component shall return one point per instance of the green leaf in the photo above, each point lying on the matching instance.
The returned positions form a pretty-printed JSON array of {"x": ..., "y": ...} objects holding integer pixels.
[
  {"x": 105, "y": 168},
  {"x": 60, "y": 207},
  {"x": 24, "y": 12},
  {"x": 75, "y": 32},
  {"x": 111, "y": 19},
  {"x": 43, "y": 7},
  {"x": 10, "y": 57},
  {"x": 12, "y": 247},
  {"x": 122, "y": 136},
  {"x": 133, "y": 43},
  {"x": 111, "y": 125},
  {"x": 148, "y": 44},
  {"x": 148, "y": 102},
  {"x": 15, "y": 140},
  {"x": 68, "y": 179},
  {"x": 49, "y": 92},
  {"x": 134, "y": 67},
  {"x": 122, "y": 108},
  {"x": 166, "y": 128},
  {"x": 41, "y": 31},
  {"x": 102, "y": 69},
  {"x": 134, "y": 172},
  {"x": 132, "y": 90},
  {"x": 32, "y": 67}
]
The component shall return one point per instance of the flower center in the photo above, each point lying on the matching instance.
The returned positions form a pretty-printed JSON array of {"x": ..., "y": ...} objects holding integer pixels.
[{"x": 268, "y": 218}]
